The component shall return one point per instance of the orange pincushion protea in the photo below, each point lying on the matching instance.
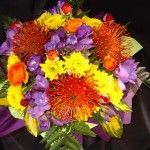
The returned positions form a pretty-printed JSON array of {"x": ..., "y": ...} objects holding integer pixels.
[
  {"x": 73, "y": 98},
  {"x": 30, "y": 40},
  {"x": 109, "y": 39}
]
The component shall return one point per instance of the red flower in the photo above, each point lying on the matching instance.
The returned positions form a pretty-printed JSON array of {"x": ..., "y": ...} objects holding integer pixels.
[{"x": 66, "y": 8}]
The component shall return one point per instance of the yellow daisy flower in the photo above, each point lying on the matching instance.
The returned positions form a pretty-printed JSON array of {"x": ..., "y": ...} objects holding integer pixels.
[
  {"x": 104, "y": 82},
  {"x": 76, "y": 64},
  {"x": 116, "y": 93},
  {"x": 52, "y": 69},
  {"x": 93, "y": 22},
  {"x": 14, "y": 96}
]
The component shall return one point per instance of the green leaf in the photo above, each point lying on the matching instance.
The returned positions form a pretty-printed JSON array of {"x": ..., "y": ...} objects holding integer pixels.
[
  {"x": 63, "y": 148},
  {"x": 7, "y": 21},
  {"x": 136, "y": 46},
  {"x": 49, "y": 133},
  {"x": 31, "y": 124},
  {"x": 4, "y": 88},
  {"x": 122, "y": 106},
  {"x": 16, "y": 113},
  {"x": 71, "y": 146},
  {"x": 81, "y": 128},
  {"x": 80, "y": 15},
  {"x": 55, "y": 136},
  {"x": 57, "y": 144},
  {"x": 73, "y": 140},
  {"x": 114, "y": 128}
]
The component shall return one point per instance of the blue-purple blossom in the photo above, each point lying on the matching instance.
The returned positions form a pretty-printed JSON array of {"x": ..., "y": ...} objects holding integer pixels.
[
  {"x": 83, "y": 31},
  {"x": 6, "y": 47},
  {"x": 38, "y": 111},
  {"x": 78, "y": 41},
  {"x": 28, "y": 95},
  {"x": 126, "y": 72},
  {"x": 57, "y": 9},
  {"x": 40, "y": 98},
  {"x": 33, "y": 64},
  {"x": 41, "y": 83},
  {"x": 44, "y": 123},
  {"x": 57, "y": 121}
]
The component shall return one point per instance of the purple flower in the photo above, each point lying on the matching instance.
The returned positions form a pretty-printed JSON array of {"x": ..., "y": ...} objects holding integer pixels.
[
  {"x": 57, "y": 9},
  {"x": 126, "y": 72},
  {"x": 41, "y": 83},
  {"x": 62, "y": 33},
  {"x": 4, "y": 50},
  {"x": 44, "y": 123},
  {"x": 58, "y": 122},
  {"x": 83, "y": 31},
  {"x": 33, "y": 64},
  {"x": 52, "y": 45},
  {"x": 38, "y": 111},
  {"x": 71, "y": 40},
  {"x": 40, "y": 98},
  {"x": 28, "y": 95}
]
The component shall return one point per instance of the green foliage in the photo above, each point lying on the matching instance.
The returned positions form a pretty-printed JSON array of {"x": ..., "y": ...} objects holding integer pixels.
[
  {"x": 76, "y": 4},
  {"x": 62, "y": 137},
  {"x": 7, "y": 21},
  {"x": 82, "y": 128},
  {"x": 143, "y": 75},
  {"x": 3, "y": 88},
  {"x": 3, "y": 76}
]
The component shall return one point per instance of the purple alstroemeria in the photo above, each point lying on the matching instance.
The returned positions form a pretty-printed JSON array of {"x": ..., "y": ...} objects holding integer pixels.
[
  {"x": 40, "y": 98},
  {"x": 44, "y": 123},
  {"x": 57, "y": 9},
  {"x": 126, "y": 72},
  {"x": 33, "y": 64},
  {"x": 38, "y": 111},
  {"x": 41, "y": 83}
]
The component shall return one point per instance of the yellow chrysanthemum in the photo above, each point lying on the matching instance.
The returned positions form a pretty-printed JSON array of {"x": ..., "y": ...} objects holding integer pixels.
[
  {"x": 104, "y": 82},
  {"x": 54, "y": 21},
  {"x": 14, "y": 96},
  {"x": 93, "y": 22},
  {"x": 76, "y": 64},
  {"x": 52, "y": 69},
  {"x": 116, "y": 93},
  {"x": 43, "y": 18},
  {"x": 12, "y": 59},
  {"x": 92, "y": 69}
]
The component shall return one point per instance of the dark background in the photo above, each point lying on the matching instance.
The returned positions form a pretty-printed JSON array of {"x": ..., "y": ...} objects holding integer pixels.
[{"x": 136, "y": 135}]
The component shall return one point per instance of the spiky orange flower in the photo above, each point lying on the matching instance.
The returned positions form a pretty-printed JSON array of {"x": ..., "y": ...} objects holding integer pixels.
[
  {"x": 29, "y": 40},
  {"x": 73, "y": 98},
  {"x": 111, "y": 41}
]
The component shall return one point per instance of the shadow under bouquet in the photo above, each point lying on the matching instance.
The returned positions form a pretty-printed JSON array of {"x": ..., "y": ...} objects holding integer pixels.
[{"x": 66, "y": 74}]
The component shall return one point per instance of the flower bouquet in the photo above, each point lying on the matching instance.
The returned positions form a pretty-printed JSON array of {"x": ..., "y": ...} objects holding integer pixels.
[{"x": 65, "y": 73}]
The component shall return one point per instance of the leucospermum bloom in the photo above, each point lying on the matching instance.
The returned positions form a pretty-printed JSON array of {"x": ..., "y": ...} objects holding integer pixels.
[{"x": 75, "y": 92}]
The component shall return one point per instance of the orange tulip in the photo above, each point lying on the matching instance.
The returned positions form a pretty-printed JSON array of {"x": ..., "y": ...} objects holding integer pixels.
[
  {"x": 17, "y": 74},
  {"x": 72, "y": 24}
]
